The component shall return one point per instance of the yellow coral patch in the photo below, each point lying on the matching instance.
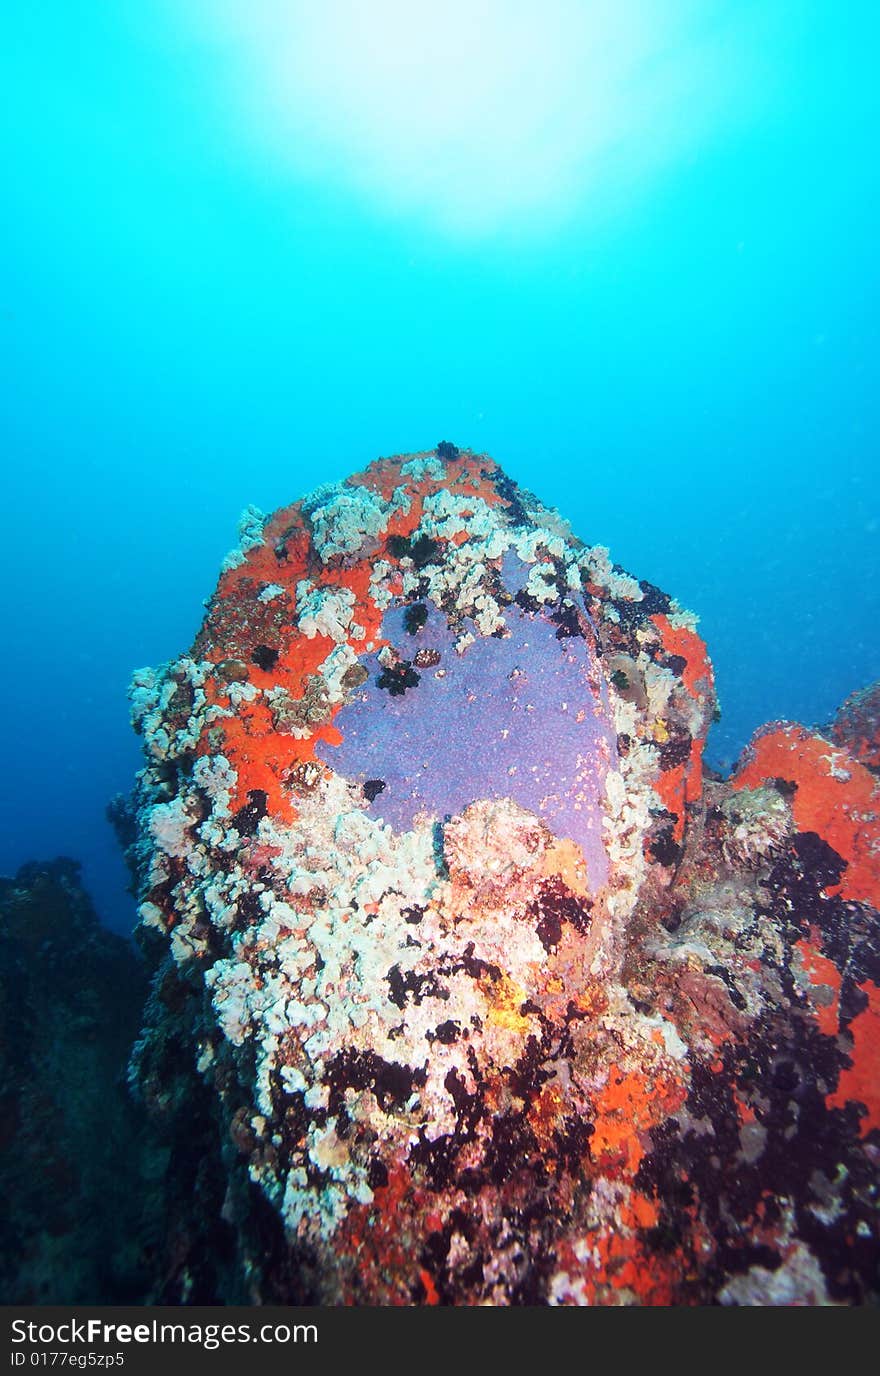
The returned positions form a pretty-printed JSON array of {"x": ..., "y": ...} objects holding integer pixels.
[{"x": 506, "y": 999}]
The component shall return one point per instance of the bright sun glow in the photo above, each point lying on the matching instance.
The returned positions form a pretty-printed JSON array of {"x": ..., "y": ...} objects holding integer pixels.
[{"x": 485, "y": 113}]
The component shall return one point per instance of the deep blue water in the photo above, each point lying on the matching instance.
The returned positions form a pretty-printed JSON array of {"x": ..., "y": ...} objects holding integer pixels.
[{"x": 652, "y": 298}]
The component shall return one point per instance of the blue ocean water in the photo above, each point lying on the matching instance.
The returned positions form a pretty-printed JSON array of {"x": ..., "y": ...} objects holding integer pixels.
[{"x": 633, "y": 258}]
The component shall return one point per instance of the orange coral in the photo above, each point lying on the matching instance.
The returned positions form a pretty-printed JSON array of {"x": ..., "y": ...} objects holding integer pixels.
[
  {"x": 836, "y": 797},
  {"x": 822, "y": 973},
  {"x": 861, "y": 1082},
  {"x": 629, "y": 1104},
  {"x": 697, "y": 674}
]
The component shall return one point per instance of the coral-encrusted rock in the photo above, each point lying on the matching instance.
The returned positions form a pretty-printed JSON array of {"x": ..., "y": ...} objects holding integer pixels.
[
  {"x": 498, "y": 1002},
  {"x": 857, "y": 726}
]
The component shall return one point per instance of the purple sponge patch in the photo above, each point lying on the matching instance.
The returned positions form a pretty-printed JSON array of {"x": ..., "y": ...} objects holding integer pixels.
[{"x": 523, "y": 716}]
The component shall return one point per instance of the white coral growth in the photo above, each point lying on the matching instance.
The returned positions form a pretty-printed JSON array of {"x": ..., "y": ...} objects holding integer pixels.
[{"x": 757, "y": 823}]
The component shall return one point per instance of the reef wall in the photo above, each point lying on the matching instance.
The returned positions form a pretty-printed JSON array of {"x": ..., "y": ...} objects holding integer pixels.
[{"x": 489, "y": 991}]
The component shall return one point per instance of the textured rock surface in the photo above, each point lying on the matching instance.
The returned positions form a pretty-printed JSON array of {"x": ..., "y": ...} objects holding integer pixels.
[{"x": 490, "y": 995}]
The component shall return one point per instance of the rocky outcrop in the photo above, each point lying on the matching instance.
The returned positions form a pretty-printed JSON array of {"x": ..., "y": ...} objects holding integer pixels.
[{"x": 485, "y": 990}]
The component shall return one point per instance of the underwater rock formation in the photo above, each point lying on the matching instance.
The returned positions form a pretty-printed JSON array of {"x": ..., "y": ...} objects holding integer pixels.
[
  {"x": 75, "y": 1224},
  {"x": 495, "y": 994},
  {"x": 857, "y": 725}
]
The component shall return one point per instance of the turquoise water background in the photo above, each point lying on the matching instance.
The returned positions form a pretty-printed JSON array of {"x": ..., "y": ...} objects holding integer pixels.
[{"x": 652, "y": 298}]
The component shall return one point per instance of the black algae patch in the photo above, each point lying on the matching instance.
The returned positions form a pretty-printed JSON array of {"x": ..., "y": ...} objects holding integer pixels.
[
  {"x": 654, "y": 602},
  {"x": 391, "y": 1082},
  {"x": 248, "y": 818},
  {"x": 421, "y": 551},
  {"x": 377, "y": 1174},
  {"x": 556, "y": 906},
  {"x": 415, "y": 617},
  {"x": 396, "y": 679},
  {"x": 509, "y": 493},
  {"x": 676, "y": 664},
  {"x": 664, "y": 849},
  {"x": 411, "y": 985},
  {"x": 264, "y": 657},
  {"x": 527, "y": 603},
  {"x": 675, "y": 751},
  {"x": 566, "y": 620}
]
